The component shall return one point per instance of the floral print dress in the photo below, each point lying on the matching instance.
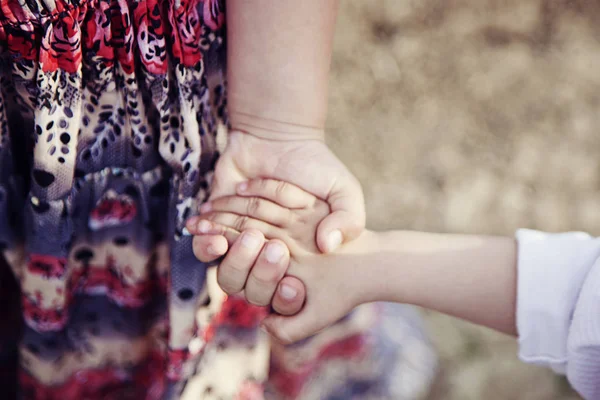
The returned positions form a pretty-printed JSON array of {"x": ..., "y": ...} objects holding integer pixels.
[{"x": 112, "y": 116}]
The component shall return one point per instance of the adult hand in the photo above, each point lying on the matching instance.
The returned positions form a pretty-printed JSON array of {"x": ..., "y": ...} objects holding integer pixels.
[{"x": 307, "y": 163}]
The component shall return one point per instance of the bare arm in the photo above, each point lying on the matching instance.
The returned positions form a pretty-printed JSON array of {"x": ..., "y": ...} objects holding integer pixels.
[
  {"x": 279, "y": 54},
  {"x": 470, "y": 277}
]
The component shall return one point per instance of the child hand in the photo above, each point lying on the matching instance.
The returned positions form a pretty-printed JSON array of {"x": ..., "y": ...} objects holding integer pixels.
[
  {"x": 245, "y": 269},
  {"x": 252, "y": 264},
  {"x": 285, "y": 212},
  {"x": 279, "y": 210}
]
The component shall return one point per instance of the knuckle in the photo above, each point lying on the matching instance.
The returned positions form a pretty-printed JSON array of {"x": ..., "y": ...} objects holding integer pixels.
[
  {"x": 227, "y": 286},
  {"x": 234, "y": 269},
  {"x": 265, "y": 279},
  {"x": 281, "y": 335},
  {"x": 259, "y": 186},
  {"x": 228, "y": 290},
  {"x": 290, "y": 219},
  {"x": 254, "y": 205},
  {"x": 231, "y": 279},
  {"x": 257, "y": 301},
  {"x": 212, "y": 217},
  {"x": 223, "y": 203},
  {"x": 263, "y": 184},
  {"x": 321, "y": 208},
  {"x": 241, "y": 222},
  {"x": 280, "y": 189},
  {"x": 220, "y": 230}
]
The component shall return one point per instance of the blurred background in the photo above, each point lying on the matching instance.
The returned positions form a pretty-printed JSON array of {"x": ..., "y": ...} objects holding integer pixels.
[{"x": 472, "y": 116}]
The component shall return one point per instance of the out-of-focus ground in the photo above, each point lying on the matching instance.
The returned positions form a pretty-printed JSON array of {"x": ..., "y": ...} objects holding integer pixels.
[{"x": 478, "y": 117}]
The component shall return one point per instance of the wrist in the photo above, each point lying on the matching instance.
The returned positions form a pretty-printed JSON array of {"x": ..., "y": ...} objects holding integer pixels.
[
  {"x": 392, "y": 267},
  {"x": 360, "y": 255},
  {"x": 276, "y": 126}
]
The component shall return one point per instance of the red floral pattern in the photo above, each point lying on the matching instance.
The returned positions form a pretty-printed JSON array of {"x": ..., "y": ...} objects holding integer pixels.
[
  {"x": 147, "y": 383},
  {"x": 213, "y": 14},
  {"x": 111, "y": 211},
  {"x": 110, "y": 280},
  {"x": 186, "y": 33},
  {"x": 151, "y": 36},
  {"x": 103, "y": 97},
  {"x": 291, "y": 382},
  {"x": 235, "y": 312},
  {"x": 85, "y": 69},
  {"x": 109, "y": 32},
  {"x": 98, "y": 38},
  {"x": 47, "y": 319},
  {"x": 47, "y": 266}
]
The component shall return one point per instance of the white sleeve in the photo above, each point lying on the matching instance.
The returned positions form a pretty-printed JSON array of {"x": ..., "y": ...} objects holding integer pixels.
[{"x": 558, "y": 305}]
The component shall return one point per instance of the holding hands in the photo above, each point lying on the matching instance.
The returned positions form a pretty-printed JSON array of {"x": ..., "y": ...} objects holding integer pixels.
[
  {"x": 308, "y": 204},
  {"x": 269, "y": 229}
]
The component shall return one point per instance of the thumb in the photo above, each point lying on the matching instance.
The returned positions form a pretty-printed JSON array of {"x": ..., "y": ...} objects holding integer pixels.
[
  {"x": 289, "y": 297},
  {"x": 226, "y": 177},
  {"x": 347, "y": 218},
  {"x": 289, "y": 330}
]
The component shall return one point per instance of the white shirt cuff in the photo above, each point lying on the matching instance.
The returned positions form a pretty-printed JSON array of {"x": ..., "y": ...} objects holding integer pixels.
[{"x": 551, "y": 272}]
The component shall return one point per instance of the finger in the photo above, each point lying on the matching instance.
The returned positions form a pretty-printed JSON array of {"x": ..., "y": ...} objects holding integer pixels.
[
  {"x": 270, "y": 267},
  {"x": 283, "y": 193},
  {"x": 292, "y": 329},
  {"x": 255, "y": 207},
  {"x": 226, "y": 175},
  {"x": 208, "y": 248},
  {"x": 200, "y": 226},
  {"x": 242, "y": 223},
  {"x": 347, "y": 218},
  {"x": 290, "y": 296},
  {"x": 233, "y": 271}
]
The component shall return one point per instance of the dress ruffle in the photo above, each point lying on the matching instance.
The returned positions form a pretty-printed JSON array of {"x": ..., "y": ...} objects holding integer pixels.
[{"x": 108, "y": 116}]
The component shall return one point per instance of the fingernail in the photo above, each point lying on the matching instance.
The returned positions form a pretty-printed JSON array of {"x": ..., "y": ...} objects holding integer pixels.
[
  {"x": 242, "y": 187},
  {"x": 204, "y": 226},
  {"x": 211, "y": 250},
  {"x": 274, "y": 253},
  {"x": 334, "y": 240},
  {"x": 250, "y": 241},
  {"x": 193, "y": 221},
  {"x": 287, "y": 292},
  {"x": 205, "y": 208}
]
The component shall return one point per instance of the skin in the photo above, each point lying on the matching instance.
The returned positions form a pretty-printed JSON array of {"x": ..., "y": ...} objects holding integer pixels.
[
  {"x": 469, "y": 277},
  {"x": 277, "y": 107},
  {"x": 259, "y": 269}
]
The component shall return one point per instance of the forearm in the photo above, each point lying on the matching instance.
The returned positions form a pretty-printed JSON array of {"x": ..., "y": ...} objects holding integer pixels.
[
  {"x": 278, "y": 65},
  {"x": 469, "y": 277}
]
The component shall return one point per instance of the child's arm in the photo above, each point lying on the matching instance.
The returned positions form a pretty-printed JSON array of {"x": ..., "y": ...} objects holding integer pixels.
[
  {"x": 469, "y": 277},
  {"x": 552, "y": 299},
  {"x": 557, "y": 285}
]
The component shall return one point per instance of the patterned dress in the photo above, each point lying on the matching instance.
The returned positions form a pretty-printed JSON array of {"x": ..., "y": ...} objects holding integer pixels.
[{"x": 112, "y": 116}]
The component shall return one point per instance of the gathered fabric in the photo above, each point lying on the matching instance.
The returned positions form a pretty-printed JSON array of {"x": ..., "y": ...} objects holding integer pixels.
[
  {"x": 109, "y": 112},
  {"x": 113, "y": 114}
]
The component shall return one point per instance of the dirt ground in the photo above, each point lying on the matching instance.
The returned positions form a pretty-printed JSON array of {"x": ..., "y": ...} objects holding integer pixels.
[{"x": 479, "y": 117}]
